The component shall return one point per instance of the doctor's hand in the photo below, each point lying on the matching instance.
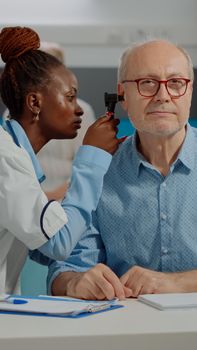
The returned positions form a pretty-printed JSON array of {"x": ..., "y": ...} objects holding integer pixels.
[
  {"x": 144, "y": 281},
  {"x": 58, "y": 193},
  {"x": 99, "y": 283},
  {"x": 102, "y": 134}
]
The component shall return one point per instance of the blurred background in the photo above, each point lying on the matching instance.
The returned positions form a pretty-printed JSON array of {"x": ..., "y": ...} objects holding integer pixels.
[{"x": 93, "y": 34}]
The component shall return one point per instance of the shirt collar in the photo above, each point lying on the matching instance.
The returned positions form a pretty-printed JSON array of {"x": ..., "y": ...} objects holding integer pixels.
[
  {"x": 186, "y": 154},
  {"x": 2, "y": 122},
  {"x": 138, "y": 157},
  {"x": 20, "y": 138}
]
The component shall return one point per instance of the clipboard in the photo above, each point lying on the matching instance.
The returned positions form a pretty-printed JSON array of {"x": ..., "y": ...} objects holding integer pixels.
[{"x": 58, "y": 307}]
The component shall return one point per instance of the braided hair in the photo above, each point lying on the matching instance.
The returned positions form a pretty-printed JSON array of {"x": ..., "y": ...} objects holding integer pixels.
[{"x": 26, "y": 67}]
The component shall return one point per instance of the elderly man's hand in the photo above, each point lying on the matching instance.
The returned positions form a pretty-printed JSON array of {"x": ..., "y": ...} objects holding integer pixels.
[
  {"x": 100, "y": 282},
  {"x": 144, "y": 281}
]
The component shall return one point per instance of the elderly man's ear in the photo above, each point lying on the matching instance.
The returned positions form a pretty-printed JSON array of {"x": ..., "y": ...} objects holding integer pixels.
[{"x": 121, "y": 93}]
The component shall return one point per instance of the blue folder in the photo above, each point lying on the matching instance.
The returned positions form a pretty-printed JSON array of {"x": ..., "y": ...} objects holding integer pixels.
[{"x": 110, "y": 306}]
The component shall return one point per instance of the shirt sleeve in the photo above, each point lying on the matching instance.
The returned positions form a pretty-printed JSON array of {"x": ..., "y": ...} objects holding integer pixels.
[{"x": 89, "y": 168}]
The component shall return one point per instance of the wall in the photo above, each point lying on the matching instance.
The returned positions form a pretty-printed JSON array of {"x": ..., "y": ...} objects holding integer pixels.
[{"x": 94, "y": 32}]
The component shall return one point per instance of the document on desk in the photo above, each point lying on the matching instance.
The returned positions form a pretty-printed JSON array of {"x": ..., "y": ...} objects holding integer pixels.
[
  {"x": 59, "y": 307},
  {"x": 170, "y": 301}
]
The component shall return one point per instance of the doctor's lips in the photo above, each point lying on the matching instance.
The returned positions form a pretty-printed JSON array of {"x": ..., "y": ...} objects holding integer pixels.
[{"x": 77, "y": 122}]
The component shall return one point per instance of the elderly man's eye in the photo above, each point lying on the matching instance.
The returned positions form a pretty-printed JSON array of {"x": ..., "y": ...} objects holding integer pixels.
[
  {"x": 148, "y": 82},
  {"x": 176, "y": 82}
]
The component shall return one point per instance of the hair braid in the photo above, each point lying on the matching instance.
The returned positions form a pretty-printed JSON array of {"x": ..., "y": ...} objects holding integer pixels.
[
  {"x": 26, "y": 67},
  {"x": 14, "y": 41}
]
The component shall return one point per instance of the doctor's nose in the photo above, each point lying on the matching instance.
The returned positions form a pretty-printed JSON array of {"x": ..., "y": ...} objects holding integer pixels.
[{"x": 79, "y": 111}]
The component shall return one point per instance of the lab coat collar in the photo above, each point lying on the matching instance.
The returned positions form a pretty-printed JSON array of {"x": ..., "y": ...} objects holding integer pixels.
[{"x": 20, "y": 138}]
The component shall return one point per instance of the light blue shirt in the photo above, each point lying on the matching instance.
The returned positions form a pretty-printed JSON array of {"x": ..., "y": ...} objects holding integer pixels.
[{"x": 143, "y": 218}]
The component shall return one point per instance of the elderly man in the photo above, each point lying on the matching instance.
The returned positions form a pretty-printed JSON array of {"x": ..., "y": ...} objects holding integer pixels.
[{"x": 144, "y": 238}]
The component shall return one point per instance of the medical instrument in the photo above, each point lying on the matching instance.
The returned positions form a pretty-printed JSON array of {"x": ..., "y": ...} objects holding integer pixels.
[{"x": 110, "y": 102}]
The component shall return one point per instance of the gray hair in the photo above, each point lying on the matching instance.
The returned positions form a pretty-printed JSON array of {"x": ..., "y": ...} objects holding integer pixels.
[{"x": 122, "y": 70}]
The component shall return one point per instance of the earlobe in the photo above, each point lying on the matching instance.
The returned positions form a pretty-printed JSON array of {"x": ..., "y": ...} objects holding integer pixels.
[{"x": 34, "y": 102}]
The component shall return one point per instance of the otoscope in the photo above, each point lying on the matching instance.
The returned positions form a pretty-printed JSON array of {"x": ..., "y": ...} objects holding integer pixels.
[{"x": 110, "y": 102}]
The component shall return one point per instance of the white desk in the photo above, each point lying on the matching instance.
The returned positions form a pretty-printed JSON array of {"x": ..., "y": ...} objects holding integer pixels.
[{"x": 136, "y": 326}]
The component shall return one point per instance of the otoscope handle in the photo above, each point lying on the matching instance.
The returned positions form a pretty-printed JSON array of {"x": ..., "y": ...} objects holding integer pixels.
[{"x": 110, "y": 102}]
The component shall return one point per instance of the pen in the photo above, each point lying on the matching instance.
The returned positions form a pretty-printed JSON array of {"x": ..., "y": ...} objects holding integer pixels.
[{"x": 10, "y": 300}]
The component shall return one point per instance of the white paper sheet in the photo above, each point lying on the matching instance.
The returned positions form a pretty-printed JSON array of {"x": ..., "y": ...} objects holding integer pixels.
[{"x": 170, "y": 301}]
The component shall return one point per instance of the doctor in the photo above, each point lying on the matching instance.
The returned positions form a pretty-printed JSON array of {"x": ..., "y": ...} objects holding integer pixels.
[{"x": 40, "y": 94}]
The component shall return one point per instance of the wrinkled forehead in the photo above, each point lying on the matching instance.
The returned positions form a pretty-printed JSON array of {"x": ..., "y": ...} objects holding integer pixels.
[{"x": 157, "y": 59}]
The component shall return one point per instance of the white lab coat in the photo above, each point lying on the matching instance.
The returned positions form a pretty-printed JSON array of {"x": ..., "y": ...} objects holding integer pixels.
[{"x": 21, "y": 212}]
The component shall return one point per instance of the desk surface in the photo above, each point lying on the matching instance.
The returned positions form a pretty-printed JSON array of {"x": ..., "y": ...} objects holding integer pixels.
[{"x": 136, "y": 326}]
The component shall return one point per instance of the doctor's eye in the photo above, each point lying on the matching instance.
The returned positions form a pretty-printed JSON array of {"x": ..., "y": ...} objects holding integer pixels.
[{"x": 70, "y": 98}]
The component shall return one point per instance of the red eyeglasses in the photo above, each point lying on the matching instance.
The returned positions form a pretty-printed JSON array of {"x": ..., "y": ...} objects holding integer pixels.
[{"x": 148, "y": 87}]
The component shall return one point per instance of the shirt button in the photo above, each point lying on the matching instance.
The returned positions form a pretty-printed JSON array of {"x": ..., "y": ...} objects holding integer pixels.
[
  {"x": 164, "y": 184},
  {"x": 163, "y": 216},
  {"x": 164, "y": 250}
]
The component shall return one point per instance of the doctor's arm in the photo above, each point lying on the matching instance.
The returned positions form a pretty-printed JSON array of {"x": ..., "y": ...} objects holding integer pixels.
[
  {"x": 40, "y": 224},
  {"x": 85, "y": 188},
  {"x": 49, "y": 226}
]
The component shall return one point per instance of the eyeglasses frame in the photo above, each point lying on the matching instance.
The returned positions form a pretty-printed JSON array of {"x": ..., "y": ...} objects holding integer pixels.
[{"x": 160, "y": 82}]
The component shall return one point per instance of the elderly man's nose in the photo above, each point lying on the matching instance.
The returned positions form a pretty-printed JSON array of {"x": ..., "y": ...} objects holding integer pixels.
[{"x": 162, "y": 94}]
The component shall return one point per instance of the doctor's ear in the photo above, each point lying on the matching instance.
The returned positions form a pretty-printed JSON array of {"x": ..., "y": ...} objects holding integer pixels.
[{"x": 34, "y": 103}]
